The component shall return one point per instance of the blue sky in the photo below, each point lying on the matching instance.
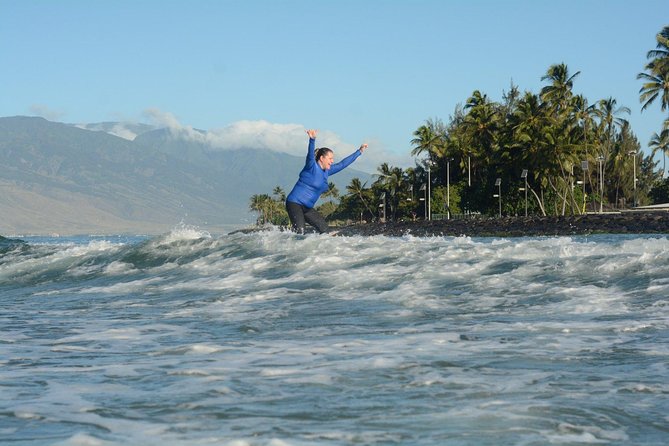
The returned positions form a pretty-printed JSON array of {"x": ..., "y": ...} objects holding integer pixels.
[{"x": 261, "y": 71}]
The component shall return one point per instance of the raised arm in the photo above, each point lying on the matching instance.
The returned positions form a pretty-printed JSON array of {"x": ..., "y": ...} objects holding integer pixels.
[
  {"x": 311, "y": 155},
  {"x": 348, "y": 160}
]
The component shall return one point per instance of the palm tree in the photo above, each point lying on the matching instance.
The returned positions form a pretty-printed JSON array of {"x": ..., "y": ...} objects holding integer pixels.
[
  {"x": 621, "y": 165},
  {"x": 331, "y": 192},
  {"x": 262, "y": 204},
  {"x": 529, "y": 122},
  {"x": 659, "y": 57},
  {"x": 660, "y": 143},
  {"x": 608, "y": 114},
  {"x": 357, "y": 188},
  {"x": 428, "y": 138},
  {"x": 279, "y": 194},
  {"x": 391, "y": 179},
  {"x": 583, "y": 113},
  {"x": 559, "y": 92},
  {"x": 559, "y": 99},
  {"x": 481, "y": 125},
  {"x": 656, "y": 85},
  {"x": 656, "y": 78}
]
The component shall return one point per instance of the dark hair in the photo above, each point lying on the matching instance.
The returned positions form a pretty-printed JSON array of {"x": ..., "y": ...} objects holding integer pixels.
[{"x": 322, "y": 152}]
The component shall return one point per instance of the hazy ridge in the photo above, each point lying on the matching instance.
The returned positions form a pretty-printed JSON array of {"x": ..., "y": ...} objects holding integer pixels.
[{"x": 60, "y": 178}]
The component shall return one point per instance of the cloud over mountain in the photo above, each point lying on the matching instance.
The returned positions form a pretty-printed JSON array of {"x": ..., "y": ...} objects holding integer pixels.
[
  {"x": 46, "y": 112},
  {"x": 285, "y": 138},
  {"x": 65, "y": 178}
]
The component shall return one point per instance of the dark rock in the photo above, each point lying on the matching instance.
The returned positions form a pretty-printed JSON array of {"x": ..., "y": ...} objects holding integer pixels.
[{"x": 623, "y": 223}]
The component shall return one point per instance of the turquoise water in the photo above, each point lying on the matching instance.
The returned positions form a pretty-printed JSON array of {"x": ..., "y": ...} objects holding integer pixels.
[{"x": 277, "y": 339}]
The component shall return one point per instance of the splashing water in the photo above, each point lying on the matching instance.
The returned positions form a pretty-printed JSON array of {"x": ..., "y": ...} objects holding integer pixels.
[{"x": 276, "y": 339}]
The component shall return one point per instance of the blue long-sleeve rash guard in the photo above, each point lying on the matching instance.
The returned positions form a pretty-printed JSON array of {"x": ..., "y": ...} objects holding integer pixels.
[{"x": 313, "y": 179}]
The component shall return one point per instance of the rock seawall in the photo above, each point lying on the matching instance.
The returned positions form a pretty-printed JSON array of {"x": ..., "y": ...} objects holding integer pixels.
[{"x": 624, "y": 223}]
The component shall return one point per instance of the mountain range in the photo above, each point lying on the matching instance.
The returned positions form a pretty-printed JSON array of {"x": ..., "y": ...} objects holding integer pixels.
[{"x": 66, "y": 179}]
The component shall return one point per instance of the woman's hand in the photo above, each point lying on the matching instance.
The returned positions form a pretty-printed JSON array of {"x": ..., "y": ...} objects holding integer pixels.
[
  {"x": 312, "y": 133},
  {"x": 362, "y": 148}
]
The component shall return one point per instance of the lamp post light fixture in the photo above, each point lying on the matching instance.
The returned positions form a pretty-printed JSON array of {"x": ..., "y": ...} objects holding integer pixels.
[
  {"x": 600, "y": 159},
  {"x": 632, "y": 153},
  {"x": 383, "y": 205},
  {"x": 584, "y": 168},
  {"x": 448, "y": 188},
  {"x": 429, "y": 191},
  {"x": 523, "y": 175},
  {"x": 498, "y": 183},
  {"x": 424, "y": 199}
]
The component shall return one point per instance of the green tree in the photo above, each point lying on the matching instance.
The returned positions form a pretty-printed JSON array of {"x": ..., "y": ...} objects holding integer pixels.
[
  {"x": 660, "y": 143},
  {"x": 270, "y": 211},
  {"x": 530, "y": 140},
  {"x": 625, "y": 156},
  {"x": 656, "y": 85},
  {"x": 659, "y": 57},
  {"x": 559, "y": 92},
  {"x": 279, "y": 194},
  {"x": 481, "y": 125},
  {"x": 428, "y": 138},
  {"x": 332, "y": 191},
  {"x": 391, "y": 180},
  {"x": 656, "y": 76},
  {"x": 357, "y": 189},
  {"x": 659, "y": 194},
  {"x": 262, "y": 204},
  {"x": 608, "y": 113}
]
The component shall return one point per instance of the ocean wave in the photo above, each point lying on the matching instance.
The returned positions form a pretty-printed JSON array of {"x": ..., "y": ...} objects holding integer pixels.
[{"x": 271, "y": 337}]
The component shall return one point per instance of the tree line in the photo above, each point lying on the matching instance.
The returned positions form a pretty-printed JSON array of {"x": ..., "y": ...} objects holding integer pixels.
[{"x": 548, "y": 153}]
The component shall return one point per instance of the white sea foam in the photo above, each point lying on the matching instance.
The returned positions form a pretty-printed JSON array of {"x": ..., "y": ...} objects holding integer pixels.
[
  {"x": 122, "y": 288},
  {"x": 586, "y": 434},
  {"x": 274, "y": 338},
  {"x": 82, "y": 439},
  {"x": 183, "y": 232},
  {"x": 117, "y": 268}
]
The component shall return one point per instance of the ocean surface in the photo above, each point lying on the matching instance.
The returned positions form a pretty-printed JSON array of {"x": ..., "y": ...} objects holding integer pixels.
[{"x": 276, "y": 339}]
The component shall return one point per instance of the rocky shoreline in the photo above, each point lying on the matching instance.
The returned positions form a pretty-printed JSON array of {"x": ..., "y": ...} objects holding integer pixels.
[{"x": 622, "y": 223}]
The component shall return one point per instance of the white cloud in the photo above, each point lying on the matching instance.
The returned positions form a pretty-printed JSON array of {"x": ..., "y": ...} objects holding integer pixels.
[
  {"x": 162, "y": 119},
  {"x": 376, "y": 155},
  {"x": 122, "y": 131},
  {"x": 287, "y": 138},
  {"x": 46, "y": 112}
]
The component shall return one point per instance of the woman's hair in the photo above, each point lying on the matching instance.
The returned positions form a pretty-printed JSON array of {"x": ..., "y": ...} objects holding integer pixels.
[{"x": 322, "y": 152}]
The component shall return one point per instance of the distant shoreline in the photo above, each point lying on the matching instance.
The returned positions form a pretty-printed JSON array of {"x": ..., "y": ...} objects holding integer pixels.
[
  {"x": 536, "y": 226},
  {"x": 624, "y": 223}
]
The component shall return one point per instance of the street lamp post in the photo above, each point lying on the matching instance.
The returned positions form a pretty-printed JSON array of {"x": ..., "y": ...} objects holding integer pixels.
[
  {"x": 448, "y": 188},
  {"x": 523, "y": 175},
  {"x": 632, "y": 153},
  {"x": 424, "y": 199},
  {"x": 383, "y": 197},
  {"x": 469, "y": 168},
  {"x": 584, "y": 168},
  {"x": 600, "y": 159},
  {"x": 498, "y": 183},
  {"x": 429, "y": 191}
]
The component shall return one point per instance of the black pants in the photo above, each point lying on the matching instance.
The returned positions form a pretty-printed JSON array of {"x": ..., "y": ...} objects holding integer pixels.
[{"x": 299, "y": 214}]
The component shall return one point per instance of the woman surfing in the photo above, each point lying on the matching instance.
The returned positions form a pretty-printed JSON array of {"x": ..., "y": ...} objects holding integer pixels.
[{"x": 313, "y": 181}]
